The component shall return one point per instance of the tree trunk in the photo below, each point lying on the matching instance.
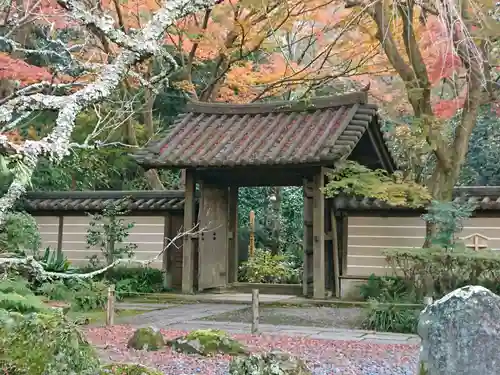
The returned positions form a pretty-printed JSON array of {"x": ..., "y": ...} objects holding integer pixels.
[{"x": 441, "y": 187}]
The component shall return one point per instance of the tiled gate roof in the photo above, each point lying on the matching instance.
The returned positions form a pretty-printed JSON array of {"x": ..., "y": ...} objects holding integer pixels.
[
  {"x": 484, "y": 197},
  {"x": 277, "y": 133}
]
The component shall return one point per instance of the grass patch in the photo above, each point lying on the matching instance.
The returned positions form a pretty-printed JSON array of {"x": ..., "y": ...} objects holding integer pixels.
[{"x": 99, "y": 316}]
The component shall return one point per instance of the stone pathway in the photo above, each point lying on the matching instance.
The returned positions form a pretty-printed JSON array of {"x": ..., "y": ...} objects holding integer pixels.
[
  {"x": 187, "y": 317},
  {"x": 166, "y": 315}
]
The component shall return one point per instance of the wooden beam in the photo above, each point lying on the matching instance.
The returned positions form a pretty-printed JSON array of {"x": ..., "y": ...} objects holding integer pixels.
[
  {"x": 335, "y": 257},
  {"x": 188, "y": 245},
  {"x": 167, "y": 225},
  {"x": 318, "y": 236},
  {"x": 233, "y": 258}
]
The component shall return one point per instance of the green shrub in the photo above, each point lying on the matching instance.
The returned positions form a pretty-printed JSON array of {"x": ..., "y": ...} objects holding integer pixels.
[
  {"x": 89, "y": 295},
  {"x": 44, "y": 344},
  {"x": 83, "y": 295},
  {"x": 15, "y": 295},
  {"x": 56, "y": 291},
  {"x": 55, "y": 261},
  {"x": 264, "y": 267},
  {"x": 129, "y": 281},
  {"x": 21, "y": 303},
  {"x": 15, "y": 285},
  {"x": 387, "y": 317},
  {"x": 378, "y": 287},
  {"x": 448, "y": 270},
  {"x": 19, "y": 234}
]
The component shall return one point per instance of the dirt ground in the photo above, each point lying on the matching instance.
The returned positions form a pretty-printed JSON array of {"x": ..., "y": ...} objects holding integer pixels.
[{"x": 323, "y": 317}]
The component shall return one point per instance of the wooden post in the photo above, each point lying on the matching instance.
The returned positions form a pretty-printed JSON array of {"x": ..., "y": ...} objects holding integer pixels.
[
  {"x": 233, "y": 255},
  {"x": 60, "y": 233},
  {"x": 345, "y": 243},
  {"x": 251, "y": 242},
  {"x": 319, "y": 237},
  {"x": 336, "y": 258},
  {"x": 110, "y": 310},
  {"x": 255, "y": 311},
  {"x": 167, "y": 224},
  {"x": 188, "y": 245}
]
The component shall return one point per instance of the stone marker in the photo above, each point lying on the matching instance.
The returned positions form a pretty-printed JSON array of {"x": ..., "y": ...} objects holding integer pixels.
[{"x": 461, "y": 334}]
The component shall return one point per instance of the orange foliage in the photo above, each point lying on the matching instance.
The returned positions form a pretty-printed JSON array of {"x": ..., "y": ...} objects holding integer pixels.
[
  {"x": 436, "y": 51},
  {"x": 232, "y": 32}
]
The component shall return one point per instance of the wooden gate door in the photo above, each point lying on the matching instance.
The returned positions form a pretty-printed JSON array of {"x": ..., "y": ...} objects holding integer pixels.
[{"x": 212, "y": 266}]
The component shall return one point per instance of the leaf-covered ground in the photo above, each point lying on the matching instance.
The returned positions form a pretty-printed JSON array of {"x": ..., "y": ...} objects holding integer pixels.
[{"x": 323, "y": 356}]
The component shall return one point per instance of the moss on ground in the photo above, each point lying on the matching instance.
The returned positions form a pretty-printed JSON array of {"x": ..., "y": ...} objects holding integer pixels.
[{"x": 127, "y": 369}]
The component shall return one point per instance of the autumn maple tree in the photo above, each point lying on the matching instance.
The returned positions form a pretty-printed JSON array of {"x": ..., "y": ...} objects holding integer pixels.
[{"x": 439, "y": 59}]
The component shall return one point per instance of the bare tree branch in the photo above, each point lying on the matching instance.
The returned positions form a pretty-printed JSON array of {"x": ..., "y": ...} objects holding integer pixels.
[
  {"x": 144, "y": 44},
  {"x": 33, "y": 268}
]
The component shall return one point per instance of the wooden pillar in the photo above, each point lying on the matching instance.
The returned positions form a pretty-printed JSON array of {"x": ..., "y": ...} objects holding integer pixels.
[
  {"x": 188, "y": 245},
  {"x": 167, "y": 277},
  {"x": 232, "y": 256},
  {"x": 308, "y": 238},
  {"x": 345, "y": 234},
  {"x": 60, "y": 233},
  {"x": 319, "y": 237},
  {"x": 336, "y": 257}
]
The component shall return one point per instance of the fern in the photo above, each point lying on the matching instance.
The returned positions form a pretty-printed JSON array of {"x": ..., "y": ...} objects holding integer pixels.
[{"x": 21, "y": 304}]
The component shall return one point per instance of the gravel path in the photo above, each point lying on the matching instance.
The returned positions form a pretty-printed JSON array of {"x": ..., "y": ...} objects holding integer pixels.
[
  {"x": 177, "y": 314},
  {"x": 325, "y": 357},
  {"x": 296, "y": 316}
]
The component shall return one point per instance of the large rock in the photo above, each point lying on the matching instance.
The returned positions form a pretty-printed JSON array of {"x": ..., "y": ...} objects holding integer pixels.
[
  {"x": 146, "y": 339},
  {"x": 461, "y": 333},
  {"x": 271, "y": 363},
  {"x": 207, "y": 342}
]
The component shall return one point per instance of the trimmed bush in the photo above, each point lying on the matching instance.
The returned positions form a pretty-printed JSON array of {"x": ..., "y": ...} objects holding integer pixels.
[
  {"x": 447, "y": 269},
  {"x": 264, "y": 267}
]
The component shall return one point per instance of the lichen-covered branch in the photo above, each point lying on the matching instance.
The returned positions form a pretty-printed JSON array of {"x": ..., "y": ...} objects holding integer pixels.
[
  {"x": 31, "y": 268},
  {"x": 135, "y": 49}
]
